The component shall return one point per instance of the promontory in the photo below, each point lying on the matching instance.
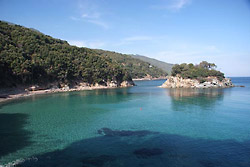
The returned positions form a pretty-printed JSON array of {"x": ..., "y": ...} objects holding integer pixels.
[{"x": 202, "y": 75}]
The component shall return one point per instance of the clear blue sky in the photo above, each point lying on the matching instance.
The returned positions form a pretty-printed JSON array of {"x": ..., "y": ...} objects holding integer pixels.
[{"x": 173, "y": 31}]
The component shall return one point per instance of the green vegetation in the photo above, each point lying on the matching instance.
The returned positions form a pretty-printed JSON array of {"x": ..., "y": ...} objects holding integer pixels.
[
  {"x": 167, "y": 67},
  {"x": 30, "y": 57},
  {"x": 200, "y": 71},
  {"x": 137, "y": 68}
]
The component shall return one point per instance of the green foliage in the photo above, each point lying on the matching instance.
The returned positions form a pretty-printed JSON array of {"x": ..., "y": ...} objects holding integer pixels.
[
  {"x": 160, "y": 64},
  {"x": 30, "y": 57},
  {"x": 136, "y": 67},
  {"x": 201, "y": 71}
]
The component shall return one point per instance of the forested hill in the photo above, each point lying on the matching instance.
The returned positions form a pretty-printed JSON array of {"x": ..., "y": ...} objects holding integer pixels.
[
  {"x": 30, "y": 57},
  {"x": 167, "y": 67},
  {"x": 136, "y": 67}
]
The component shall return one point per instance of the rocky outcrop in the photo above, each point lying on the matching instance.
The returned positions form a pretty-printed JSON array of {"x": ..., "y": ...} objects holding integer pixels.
[
  {"x": 127, "y": 84},
  {"x": 115, "y": 84},
  {"x": 209, "y": 82}
]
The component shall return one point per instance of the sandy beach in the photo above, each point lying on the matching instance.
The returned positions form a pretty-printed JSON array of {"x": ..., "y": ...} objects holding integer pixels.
[{"x": 15, "y": 93}]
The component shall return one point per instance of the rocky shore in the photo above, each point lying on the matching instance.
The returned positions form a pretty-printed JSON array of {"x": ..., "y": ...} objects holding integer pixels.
[
  {"x": 209, "y": 82},
  {"x": 25, "y": 91}
]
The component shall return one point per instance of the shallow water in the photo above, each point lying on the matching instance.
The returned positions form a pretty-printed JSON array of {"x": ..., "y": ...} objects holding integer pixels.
[{"x": 139, "y": 126}]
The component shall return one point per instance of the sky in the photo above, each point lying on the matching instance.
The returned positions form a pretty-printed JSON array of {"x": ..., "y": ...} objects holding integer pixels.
[{"x": 174, "y": 31}]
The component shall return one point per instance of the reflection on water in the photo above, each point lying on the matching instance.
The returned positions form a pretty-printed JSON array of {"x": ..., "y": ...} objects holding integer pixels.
[
  {"x": 184, "y": 99},
  {"x": 179, "y": 93}
]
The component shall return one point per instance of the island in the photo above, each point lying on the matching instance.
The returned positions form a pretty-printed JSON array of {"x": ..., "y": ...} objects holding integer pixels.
[{"x": 202, "y": 75}]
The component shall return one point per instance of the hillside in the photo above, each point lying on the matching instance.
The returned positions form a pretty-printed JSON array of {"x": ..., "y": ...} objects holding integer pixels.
[
  {"x": 30, "y": 57},
  {"x": 167, "y": 67},
  {"x": 136, "y": 67}
]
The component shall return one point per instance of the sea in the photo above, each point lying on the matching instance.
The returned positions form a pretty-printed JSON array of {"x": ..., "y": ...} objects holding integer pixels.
[{"x": 140, "y": 126}]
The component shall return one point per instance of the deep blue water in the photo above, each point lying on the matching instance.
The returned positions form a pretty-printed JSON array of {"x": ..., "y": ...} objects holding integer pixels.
[{"x": 141, "y": 126}]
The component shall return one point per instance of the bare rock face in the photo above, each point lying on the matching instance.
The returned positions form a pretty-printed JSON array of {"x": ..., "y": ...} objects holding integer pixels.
[{"x": 210, "y": 82}]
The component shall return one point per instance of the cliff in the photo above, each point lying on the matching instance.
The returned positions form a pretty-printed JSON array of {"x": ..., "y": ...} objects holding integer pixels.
[{"x": 208, "y": 82}]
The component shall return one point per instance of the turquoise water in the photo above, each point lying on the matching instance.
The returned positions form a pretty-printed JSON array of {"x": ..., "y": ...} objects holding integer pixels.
[{"x": 139, "y": 126}]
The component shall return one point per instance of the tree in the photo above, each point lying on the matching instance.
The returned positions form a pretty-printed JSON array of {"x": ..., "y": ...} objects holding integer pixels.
[
  {"x": 206, "y": 65},
  {"x": 203, "y": 70}
]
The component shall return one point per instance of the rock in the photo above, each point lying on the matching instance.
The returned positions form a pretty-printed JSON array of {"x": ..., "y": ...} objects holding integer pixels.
[
  {"x": 54, "y": 87},
  {"x": 210, "y": 82},
  {"x": 33, "y": 88},
  {"x": 66, "y": 88},
  {"x": 112, "y": 84},
  {"x": 84, "y": 84},
  {"x": 127, "y": 84}
]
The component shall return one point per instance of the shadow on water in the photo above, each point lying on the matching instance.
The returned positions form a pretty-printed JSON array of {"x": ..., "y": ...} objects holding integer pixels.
[
  {"x": 145, "y": 149},
  {"x": 12, "y": 135},
  {"x": 186, "y": 98}
]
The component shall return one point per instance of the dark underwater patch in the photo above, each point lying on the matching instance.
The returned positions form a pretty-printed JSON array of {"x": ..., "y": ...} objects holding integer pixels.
[
  {"x": 147, "y": 152},
  {"x": 210, "y": 163},
  {"x": 13, "y": 136},
  {"x": 99, "y": 161}
]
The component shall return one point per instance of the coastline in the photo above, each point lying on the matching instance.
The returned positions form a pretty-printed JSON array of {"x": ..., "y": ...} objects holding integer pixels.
[{"x": 17, "y": 93}]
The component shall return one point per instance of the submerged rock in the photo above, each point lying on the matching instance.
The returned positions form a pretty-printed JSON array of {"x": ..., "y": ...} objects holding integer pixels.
[{"x": 209, "y": 82}]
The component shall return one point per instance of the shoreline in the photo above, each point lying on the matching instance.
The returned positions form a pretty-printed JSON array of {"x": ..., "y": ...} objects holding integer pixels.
[{"x": 20, "y": 92}]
